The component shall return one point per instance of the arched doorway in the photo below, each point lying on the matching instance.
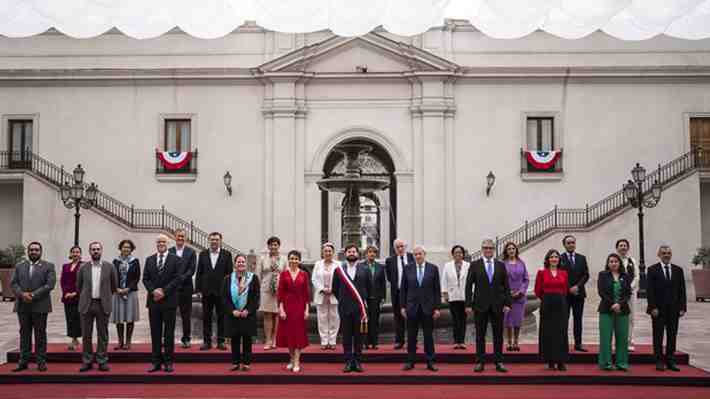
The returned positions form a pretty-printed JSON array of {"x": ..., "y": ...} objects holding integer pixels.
[{"x": 377, "y": 230}]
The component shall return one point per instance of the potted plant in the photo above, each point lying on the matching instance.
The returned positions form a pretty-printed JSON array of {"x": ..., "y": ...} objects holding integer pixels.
[
  {"x": 701, "y": 276},
  {"x": 9, "y": 257}
]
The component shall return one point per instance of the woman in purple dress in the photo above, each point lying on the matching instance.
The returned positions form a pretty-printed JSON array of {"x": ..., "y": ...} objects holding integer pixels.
[
  {"x": 70, "y": 296},
  {"x": 518, "y": 280}
]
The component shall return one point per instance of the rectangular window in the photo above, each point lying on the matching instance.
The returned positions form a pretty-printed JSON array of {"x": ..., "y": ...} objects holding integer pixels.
[
  {"x": 20, "y": 142},
  {"x": 177, "y": 135},
  {"x": 541, "y": 133}
]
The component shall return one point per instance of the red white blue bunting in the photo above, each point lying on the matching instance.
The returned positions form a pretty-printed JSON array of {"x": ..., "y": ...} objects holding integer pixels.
[
  {"x": 174, "y": 160},
  {"x": 542, "y": 159}
]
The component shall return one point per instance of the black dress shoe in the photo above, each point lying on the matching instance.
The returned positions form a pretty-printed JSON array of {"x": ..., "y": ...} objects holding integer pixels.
[
  {"x": 348, "y": 368},
  {"x": 85, "y": 367},
  {"x": 500, "y": 368},
  {"x": 660, "y": 366},
  {"x": 398, "y": 345},
  {"x": 373, "y": 347},
  {"x": 579, "y": 348},
  {"x": 431, "y": 366},
  {"x": 154, "y": 368},
  {"x": 408, "y": 366},
  {"x": 672, "y": 366},
  {"x": 236, "y": 367},
  {"x": 104, "y": 367},
  {"x": 356, "y": 367},
  {"x": 221, "y": 346},
  {"x": 169, "y": 368},
  {"x": 42, "y": 367},
  {"x": 185, "y": 345},
  {"x": 479, "y": 367},
  {"x": 206, "y": 346},
  {"x": 20, "y": 367},
  {"x": 561, "y": 367}
]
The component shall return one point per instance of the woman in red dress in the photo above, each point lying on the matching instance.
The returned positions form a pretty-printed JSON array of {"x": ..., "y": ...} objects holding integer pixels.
[
  {"x": 551, "y": 287},
  {"x": 293, "y": 298}
]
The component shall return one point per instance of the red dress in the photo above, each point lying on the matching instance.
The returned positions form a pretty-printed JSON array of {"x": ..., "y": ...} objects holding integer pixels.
[{"x": 294, "y": 294}]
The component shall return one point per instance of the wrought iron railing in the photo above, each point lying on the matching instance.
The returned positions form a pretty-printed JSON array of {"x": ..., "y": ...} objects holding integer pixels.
[
  {"x": 136, "y": 218},
  {"x": 577, "y": 218}
]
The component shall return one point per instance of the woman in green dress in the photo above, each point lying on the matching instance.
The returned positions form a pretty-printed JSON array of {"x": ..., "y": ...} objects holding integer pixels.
[{"x": 614, "y": 287}]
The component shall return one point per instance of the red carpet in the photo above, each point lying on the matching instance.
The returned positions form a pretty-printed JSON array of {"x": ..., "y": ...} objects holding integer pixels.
[{"x": 70, "y": 391}]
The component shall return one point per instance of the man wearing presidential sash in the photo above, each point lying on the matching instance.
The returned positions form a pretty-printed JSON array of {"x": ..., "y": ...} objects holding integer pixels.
[{"x": 351, "y": 285}]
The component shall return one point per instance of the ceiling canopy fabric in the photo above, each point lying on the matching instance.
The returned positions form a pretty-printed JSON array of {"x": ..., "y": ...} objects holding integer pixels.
[{"x": 500, "y": 19}]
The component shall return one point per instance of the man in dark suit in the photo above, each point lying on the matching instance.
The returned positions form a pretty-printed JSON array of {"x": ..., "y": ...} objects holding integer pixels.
[
  {"x": 32, "y": 283},
  {"x": 162, "y": 279},
  {"x": 394, "y": 268},
  {"x": 189, "y": 262},
  {"x": 420, "y": 296},
  {"x": 351, "y": 286},
  {"x": 667, "y": 303},
  {"x": 213, "y": 265},
  {"x": 578, "y": 274},
  {"x": 488, "y": 301},
  {"x": 378, "y": 291},
  {"x": 96, "y": 283}
]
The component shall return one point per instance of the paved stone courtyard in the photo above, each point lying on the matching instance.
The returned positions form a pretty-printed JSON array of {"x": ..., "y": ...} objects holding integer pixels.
[{"x": 692, "y": 337}]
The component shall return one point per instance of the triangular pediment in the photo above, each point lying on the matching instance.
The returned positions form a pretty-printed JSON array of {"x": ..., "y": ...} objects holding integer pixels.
[{"x": 344, "y": 55}]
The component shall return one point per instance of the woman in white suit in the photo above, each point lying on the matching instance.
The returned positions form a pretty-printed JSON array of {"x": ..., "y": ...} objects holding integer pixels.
[
  {"x": 453, "y": 286},
  {"x": 323, "y": 298},
  {"x": 632, "y": 269}
]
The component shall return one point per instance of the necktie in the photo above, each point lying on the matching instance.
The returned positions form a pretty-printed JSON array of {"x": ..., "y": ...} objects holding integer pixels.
[
  {"x": 161, "y": 265},
  {"x": 668, "y": 273},
  {"x": 489, "y": 271},
  {"x": 419, "y": 274}
]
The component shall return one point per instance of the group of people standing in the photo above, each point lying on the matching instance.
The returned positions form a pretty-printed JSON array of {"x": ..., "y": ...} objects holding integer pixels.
[{"x": 348, "y": 297}]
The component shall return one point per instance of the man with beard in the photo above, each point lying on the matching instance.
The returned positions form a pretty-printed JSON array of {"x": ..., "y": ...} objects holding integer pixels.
[
  {"x": 96, "y": 282},
  {"x": 32, "y": 283},
  {"x": 351, "y": 284}
]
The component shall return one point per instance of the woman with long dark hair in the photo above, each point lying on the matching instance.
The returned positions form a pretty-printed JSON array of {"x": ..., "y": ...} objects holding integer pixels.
[{"x": 551, "y": 288}]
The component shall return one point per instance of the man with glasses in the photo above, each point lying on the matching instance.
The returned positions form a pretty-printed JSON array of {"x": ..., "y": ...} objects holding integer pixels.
[
  {"x": 488, "y": 298},
  {"x": 667, "y": 303},
  {"x": 578, "y": 273}
]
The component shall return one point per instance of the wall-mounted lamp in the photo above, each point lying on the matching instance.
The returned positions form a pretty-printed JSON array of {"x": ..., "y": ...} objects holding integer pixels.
[
  {"x": 228, "y": 182},
  {"x": 490, "y": 181}
]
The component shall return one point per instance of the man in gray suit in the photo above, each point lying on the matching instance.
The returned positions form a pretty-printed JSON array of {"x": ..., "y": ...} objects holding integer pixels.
[
  {"x": 32, "y": 283},
  {"x": 96, "y": 282}
]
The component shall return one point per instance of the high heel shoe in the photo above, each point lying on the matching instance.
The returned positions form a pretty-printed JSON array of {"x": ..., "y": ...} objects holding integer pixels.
[{"x": 297, "y": 369}]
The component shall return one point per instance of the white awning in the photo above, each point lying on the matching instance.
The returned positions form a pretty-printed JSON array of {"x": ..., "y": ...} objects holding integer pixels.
[{"x": 503, "y": 19}]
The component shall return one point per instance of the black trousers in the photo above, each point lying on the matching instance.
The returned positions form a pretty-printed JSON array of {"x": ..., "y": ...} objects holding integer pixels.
[
  {"x": 29, "y": 323},
  {"x": 185, "y": 306},
  {"x": 496, "y": 319},
  {"x": 352, "y": 339},
  {"x": 212, "y": 303},
  {"x": 668, "y": 324},
  {"x": 373, "y": 321},
  {"x": 241, "y": 349},
  {"x": 426, "y": 322},
  {"x": 576, "y": 307},
  {"x": 458, "y": 315},
  {"x": 162, "y": 334},
  {"x": 73, "y": 319},
  {"x": 399, "y": 321}
]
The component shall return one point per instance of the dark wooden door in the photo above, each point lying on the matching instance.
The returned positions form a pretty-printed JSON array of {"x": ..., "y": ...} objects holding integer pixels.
[{"x": 20, "y": 144}]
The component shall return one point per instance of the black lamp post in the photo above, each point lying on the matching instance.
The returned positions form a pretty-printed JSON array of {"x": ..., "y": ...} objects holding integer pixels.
[
  {"x": 75, "y": 196},
  {"x": 634, "y": 193}
]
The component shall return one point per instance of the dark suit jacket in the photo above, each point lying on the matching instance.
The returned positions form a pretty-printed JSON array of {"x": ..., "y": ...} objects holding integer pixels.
[
  {"x": 668, "y": 297},
  {"x": 482, "y": 295},
  {"x": 426, "y": 296},
  {"x": 134, "y": 273},
  {"x": 378, "y": 282},
  {"x": 43, "y": 280},
  {"x": 347, "y": 303},
  {"x": 246, "y": 325},
  {"x": 392, "y": 273},
  {"x": 84, "y": 285},
  {"x": 189, "y": 263},
  {"x": 208, "y": 280},
  {"x": 578, "y": 274},
  {"x": 605, "y": 287},
  {"x": 169, "y": 280}
]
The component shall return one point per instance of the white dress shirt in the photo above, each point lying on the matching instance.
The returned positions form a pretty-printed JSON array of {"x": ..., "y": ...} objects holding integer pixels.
[
  {"x": 213, "y": 258},
  {"x": 95, "y": 280},
  {"x": 352, "y": 270},
  {"x": 179, "y": 250},
  {"x": 32, "y": 267},
  {"x": 400, "y": 267},
  {"x": 670, "y": 270}
]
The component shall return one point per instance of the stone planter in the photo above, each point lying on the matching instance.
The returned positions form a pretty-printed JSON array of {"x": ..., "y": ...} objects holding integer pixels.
[
  {"x": 5, "y": 277},
  {"x": 701, "y": 282}
]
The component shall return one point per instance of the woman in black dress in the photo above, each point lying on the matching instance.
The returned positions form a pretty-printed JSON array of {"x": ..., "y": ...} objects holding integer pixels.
[{"x": 241, "y": 293}]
